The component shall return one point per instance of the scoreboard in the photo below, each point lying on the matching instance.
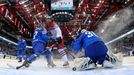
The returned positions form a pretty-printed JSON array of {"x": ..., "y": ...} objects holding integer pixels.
[{"x": 62, "y": 5}]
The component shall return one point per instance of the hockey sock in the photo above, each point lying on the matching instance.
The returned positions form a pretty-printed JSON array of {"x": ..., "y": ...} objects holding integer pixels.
[
  {"x": 63, "y": 55},
  {"x": 20, "y": 58},
  {"x": 49, "y": 57},
  {"x": 25, "y": 57}
]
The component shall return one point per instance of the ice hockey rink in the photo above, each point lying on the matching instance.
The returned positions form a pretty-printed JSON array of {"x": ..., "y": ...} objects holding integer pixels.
[
  {"x": 39, "y": 67},
  {"x": 112, "y": 20}
]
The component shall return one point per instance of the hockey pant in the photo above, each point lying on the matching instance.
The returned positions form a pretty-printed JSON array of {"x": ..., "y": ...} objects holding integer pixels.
[{"x": 96, "y": 52}]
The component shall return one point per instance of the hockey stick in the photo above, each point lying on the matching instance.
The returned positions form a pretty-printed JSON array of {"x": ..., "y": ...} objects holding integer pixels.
[
  {"x": 70, "y": 33},
  {"x": 78, "y": 55},
  {"x": 18, "y": 67},
  {"x": 70, "y": 54},
  {"x": 26, "y": 64}
]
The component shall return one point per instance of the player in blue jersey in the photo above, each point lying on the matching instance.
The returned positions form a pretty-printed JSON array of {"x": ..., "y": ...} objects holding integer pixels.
[
  {"x": 39, "y": 41},
  {"x": 21, "y": 53},
  {"x": 94, "y": 48}
]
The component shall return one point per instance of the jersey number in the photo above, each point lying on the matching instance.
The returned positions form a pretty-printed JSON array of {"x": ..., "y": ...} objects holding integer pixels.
[
  {"x": 89, "y": 34},
  {"x": 35, "y": 34}
]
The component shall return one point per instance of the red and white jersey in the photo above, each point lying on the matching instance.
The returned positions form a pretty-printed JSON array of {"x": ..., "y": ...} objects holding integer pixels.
[{"x": 55, "y": 30}]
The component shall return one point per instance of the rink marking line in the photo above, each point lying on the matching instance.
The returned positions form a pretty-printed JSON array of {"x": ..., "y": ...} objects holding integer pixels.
[{"x": 7, "y": 59}]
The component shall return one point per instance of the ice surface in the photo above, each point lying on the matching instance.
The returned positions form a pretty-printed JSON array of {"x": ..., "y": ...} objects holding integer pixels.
[{"x": 39, "y": 67}]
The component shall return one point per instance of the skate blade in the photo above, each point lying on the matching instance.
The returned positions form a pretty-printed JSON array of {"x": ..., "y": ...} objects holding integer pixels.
[
  {"x": 87, "y": 69},
  {"x": 108, "y": 67},
  {"x": 49, "y": 66},
  {"x": 67, "y": 66}
]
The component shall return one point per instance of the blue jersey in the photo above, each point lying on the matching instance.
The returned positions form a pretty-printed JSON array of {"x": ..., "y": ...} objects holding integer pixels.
[
  {"x": 22, "y": 45},
  {"x": 39, "y": 41},
  {"x": 84, "y": 40},
  {"x": 40, "y": 36}
]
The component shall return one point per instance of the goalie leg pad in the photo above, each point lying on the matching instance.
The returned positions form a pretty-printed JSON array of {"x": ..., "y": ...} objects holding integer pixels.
[{"x": 83, "y": 64}]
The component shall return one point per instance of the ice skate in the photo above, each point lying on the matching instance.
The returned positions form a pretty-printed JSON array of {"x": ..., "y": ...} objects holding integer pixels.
[
  {"x": 66, "y": 64},
  {"x": 51, "y": 65},
  {"x": 20, "y": 61}
]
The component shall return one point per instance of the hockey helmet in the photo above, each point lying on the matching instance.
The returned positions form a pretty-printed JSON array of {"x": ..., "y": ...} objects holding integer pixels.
[{"x": 83, "y": 30}]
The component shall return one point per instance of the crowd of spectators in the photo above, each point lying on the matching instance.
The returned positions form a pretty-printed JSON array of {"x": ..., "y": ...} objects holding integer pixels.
[{"x": 7, "y": 49}]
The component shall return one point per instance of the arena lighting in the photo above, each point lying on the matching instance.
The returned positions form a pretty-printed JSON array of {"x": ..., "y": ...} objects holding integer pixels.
[
  {"x": 100, "y": 1},
  {"x": 125, "y": 2},
  {"x": 27, "y": 10},
  {"x": 98, "y": 4},
  {"x": 40, "y": 2},
  {"x": 60, "y": 13},
  {"x": 22, "y": 2},
  {"x": 25, "y": 6},
  {"x": 120, "y": 37},
  {"x": 3, "y": 4},
  {"x": 81, "y": 2},
  {"x": 11, "y": 41},
  {"x": 84, "y": 14},
  {"x": 93, "y": 14},
  {"x": 96, "y": 7},
  {"x": 31, "y": 15}
]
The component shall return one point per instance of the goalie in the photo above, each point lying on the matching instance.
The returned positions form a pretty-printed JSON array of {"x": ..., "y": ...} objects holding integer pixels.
[{"x": 95, "y": 51}]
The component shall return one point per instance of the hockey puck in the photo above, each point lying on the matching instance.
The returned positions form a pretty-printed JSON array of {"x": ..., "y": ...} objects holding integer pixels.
[{"x": 74, "y": 68}]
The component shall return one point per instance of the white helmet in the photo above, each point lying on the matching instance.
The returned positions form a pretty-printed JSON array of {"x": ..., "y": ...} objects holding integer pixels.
[{"x": 83, "y": 30}]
